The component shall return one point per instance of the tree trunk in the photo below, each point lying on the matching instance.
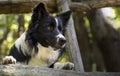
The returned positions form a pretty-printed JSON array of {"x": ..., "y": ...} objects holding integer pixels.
[
  {"x": 107, "y": 38},
  {"x": 21, "y": 23},
  {"x": 83, "y": 40},
  {"x": 98, "y": 62}
]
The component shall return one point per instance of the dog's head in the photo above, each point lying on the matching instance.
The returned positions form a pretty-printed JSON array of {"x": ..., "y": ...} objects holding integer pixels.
[{"x": 46, "y": 29}]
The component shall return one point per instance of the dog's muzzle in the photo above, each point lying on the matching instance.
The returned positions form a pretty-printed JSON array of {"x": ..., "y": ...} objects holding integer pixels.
[{"x": 61, "y": 40}]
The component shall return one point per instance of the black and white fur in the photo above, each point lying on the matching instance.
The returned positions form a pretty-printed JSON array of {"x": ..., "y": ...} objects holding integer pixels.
[{"x": 43, "y": 42}]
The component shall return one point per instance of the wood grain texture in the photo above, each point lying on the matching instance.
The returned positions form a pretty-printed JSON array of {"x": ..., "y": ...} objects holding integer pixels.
[
  {"x": 25, "y": 70},
  {"x": 25, "y": 6}
]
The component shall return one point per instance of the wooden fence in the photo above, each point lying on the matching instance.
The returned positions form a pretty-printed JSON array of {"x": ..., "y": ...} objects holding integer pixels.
[
  {"x": 16, "y": 6},
  {"x": 25, "y": 6}
]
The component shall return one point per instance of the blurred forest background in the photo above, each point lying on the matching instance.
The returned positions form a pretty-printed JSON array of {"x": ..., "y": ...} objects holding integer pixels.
[
  {"x": 11, "y": 27},
  {"x": 98, "y": 33}
]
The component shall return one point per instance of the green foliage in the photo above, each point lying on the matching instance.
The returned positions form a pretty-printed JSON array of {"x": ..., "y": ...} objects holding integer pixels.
[
  {"x": 117, "y": 12},
  {"x": 64, "y": 57},
  {"x": 116, "y": 20},
  {"x": 9, "y": 22}
]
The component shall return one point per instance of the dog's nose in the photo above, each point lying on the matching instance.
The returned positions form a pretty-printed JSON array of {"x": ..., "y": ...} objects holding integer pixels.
[{"x": 62, "y": 41}]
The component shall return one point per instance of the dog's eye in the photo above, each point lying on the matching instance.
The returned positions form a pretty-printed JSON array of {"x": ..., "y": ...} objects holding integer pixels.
[{"x": 50, "y": 28}]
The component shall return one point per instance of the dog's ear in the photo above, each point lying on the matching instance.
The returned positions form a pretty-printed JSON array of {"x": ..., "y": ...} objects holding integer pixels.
[
  {"x": 39, "y": 12},
  {"x": 65, "y": 17}
]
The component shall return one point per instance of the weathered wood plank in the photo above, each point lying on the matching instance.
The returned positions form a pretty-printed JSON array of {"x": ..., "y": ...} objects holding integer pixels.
[
  {"x": 72, "y": 44},
  {"x": 93, "y": 4},
  {"x": 79, "y": 7},
  {"x": 25, "y": 70},
  {"x": 25, "y": 6}
]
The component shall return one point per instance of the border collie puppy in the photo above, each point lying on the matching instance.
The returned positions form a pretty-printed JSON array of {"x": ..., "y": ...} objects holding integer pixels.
[{"x": 43, "y": 42}]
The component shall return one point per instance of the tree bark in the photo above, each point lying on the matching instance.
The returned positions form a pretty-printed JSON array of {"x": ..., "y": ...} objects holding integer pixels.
[{"x": 108, "y": 40}]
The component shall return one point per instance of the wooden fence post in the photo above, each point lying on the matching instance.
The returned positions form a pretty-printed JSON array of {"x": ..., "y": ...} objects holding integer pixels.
[{"x": 72, "y": 44}]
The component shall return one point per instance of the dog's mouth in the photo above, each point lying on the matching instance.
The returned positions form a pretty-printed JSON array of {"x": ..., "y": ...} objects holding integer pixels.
[{"x": 57, "y": 44}]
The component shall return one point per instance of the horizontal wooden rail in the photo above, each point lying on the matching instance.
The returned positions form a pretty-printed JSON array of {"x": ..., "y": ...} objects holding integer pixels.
[
  {"x": 25, "y": 70},
  {"x": 25, "y": 6}
]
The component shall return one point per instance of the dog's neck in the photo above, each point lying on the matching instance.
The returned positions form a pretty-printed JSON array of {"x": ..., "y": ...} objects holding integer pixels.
[{"x": 45, "y": 56}]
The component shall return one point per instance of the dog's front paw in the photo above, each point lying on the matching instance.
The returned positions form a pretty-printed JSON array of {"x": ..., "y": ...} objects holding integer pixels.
[
  {"x": 9, "y": 60},
  {"x": 66, "y": 65}
]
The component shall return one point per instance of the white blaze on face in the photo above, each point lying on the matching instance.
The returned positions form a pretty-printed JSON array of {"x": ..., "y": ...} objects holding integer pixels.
[
  {"x": 56, "y": 20},
  {"x": 59, "y": 35}
]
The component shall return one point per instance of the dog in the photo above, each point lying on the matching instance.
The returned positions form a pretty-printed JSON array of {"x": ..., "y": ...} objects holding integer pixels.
[{"x": 43, "y": 42}]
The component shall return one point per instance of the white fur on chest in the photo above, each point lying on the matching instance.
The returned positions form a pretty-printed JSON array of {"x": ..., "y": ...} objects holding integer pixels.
[{"x": 45, "y": 56}]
